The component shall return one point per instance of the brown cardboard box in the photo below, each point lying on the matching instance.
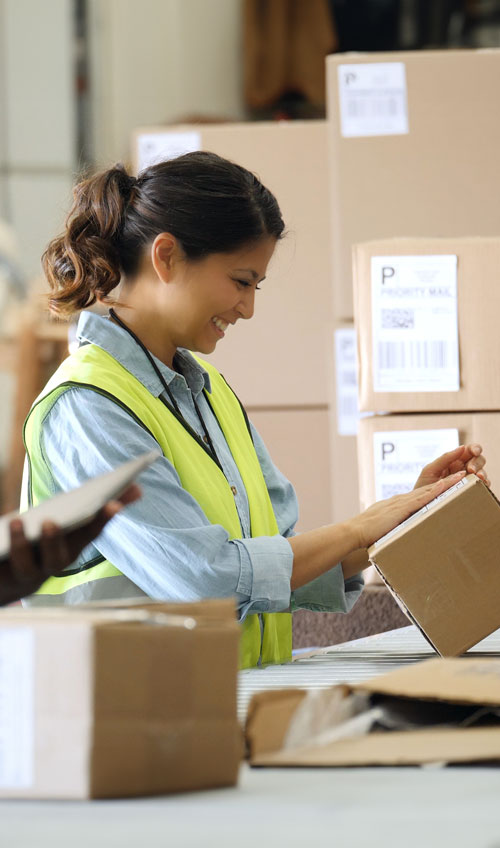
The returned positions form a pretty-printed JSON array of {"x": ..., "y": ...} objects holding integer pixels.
[
  {"x": 115, "y": 703},
  {"x": 477, "y": 308},
  {"x": 432, "y": 698},
  {"x": 388, "y": 464},
  {"x": 282, "y": 357},
  {"x": 440, "y": 178},
  {"x": 442, "y": 566}
]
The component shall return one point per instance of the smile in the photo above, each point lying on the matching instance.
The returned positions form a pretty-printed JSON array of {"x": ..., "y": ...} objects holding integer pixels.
[{"x": 220, "y": 324}]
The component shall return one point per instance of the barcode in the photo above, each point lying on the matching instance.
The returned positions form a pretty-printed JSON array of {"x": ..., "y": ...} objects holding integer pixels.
[
  {"x": 422, "y": 355},
  {"x": 348, "y": 406},
  {"x": 372, "y": 107},
  {"x": 388, "y": 490},
  {"x": 348, "y": 378},
  {"x": 398, "y": 319}
]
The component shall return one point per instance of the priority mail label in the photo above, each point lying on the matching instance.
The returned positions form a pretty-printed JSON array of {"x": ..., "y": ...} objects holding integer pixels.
[
  {"x": 17, "y": 668},
  {"x": 415, "y": 324},
  {"x": 373, "y": 99},
  {"x": 400, "y": 455},
  {"x": 158, "y": 147}
]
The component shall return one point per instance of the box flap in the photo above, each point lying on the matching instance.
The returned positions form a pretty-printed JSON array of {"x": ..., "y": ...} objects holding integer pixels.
[
  {"x": 479, "y": 744},
  {"x": 456, "y": 680}
]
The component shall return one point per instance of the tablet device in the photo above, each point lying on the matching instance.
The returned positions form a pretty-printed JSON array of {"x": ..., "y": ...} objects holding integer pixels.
[{"x": 75, "y": 508}]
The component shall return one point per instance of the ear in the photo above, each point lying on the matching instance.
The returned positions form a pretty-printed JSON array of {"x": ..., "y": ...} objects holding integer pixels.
[{"x": 165, "y": 252}]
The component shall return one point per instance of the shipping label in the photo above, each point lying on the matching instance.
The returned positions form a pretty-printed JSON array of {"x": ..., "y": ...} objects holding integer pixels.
[
  {"x": 17, "y": 669},
  {"x": 346, "y": 374},
  {"x": 415, "y": 324},
  {"x": 158, "y": 147},
  {"x": 400, "y": 455},
  {"x": 373, "y": 99}
]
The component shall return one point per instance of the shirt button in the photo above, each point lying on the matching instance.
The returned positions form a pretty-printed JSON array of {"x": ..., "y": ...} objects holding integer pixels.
[
  {"x": 234, "y": 490},
  {"x": 205, "y": 439}
]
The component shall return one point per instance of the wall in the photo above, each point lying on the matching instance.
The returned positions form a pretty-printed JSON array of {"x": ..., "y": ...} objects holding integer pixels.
[{"x": 155, "y": 62}]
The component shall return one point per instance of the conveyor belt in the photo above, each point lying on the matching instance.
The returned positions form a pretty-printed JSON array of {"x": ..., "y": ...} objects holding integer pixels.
[{"x": 350, "y": 662}]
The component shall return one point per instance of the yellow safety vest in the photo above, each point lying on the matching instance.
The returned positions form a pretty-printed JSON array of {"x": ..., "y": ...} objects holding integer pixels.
[{"x": 265, "y": 638}]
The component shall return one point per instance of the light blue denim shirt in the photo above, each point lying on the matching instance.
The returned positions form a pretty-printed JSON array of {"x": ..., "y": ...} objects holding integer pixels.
[{"x": 164, "y": 543}]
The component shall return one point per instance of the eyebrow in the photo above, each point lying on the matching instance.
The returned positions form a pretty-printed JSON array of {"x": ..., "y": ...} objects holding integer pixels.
[{"x": 251, "y": 272}]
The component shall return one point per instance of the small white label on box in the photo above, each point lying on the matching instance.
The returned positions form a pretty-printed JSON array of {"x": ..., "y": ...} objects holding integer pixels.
[
  {"x": 373, "y": 99},
  {"x": 347, "y": 381},
  {"x": 157, "y": 147},
  {"x": 17, "y": 668},
  {"x": 415, "y": 324},
  {"x": 400, "y": 455}
]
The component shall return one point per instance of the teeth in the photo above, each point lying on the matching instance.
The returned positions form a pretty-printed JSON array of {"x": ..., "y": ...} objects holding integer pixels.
[{"x": 222, "y": 325}]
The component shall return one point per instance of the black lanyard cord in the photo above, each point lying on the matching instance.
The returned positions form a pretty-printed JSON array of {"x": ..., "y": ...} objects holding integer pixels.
[{"x": 205, "y": 443}]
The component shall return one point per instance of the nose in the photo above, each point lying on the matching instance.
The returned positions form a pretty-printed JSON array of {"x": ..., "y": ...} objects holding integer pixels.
[{"x": 246, "y": 304}]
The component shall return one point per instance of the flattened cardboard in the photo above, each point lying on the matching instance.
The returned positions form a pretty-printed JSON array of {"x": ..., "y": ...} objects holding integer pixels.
[
  {"x": 478, "y": 310},
  {"x": 131, "y": 702},
  {"x": 440, "y": 179},
  {"x": 448, "y": 681},
  {"x": 442, "y": 566}
]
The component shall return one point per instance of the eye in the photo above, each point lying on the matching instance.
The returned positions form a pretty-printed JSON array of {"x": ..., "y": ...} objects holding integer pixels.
[{"x": 245, "y": 284}]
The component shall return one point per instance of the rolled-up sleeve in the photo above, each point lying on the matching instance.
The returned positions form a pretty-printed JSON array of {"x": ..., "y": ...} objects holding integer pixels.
[{"x": 329, "y": 592}]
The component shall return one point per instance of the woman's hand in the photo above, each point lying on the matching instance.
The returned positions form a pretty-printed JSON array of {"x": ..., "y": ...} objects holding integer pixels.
[
  {"x": 316, "y": 551},
  {"x": 383, "y": 516},
  {"x": 30, "y": 565},
  {"x": 468, "y": 458}
]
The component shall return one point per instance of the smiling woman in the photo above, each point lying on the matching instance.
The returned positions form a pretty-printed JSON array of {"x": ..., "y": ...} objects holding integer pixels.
[{"x": 185, "y": 246}]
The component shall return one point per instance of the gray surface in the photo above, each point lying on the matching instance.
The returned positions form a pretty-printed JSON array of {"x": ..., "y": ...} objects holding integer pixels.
[
  {"x": 345, "y": 808},
  {"x": 348, "y": 663},
  {"x": 414, "y": 808}
]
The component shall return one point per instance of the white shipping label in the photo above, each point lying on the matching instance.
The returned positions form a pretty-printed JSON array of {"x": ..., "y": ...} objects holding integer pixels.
[
  {"x": 373, "y": 99},
  {"x": 346, "y": 374},
  {"x": 415, "y": 324},
  {"x": 17, "y": 669},
  {"x": 157, "y": 147},
  {"x": 400, "y": 455}
]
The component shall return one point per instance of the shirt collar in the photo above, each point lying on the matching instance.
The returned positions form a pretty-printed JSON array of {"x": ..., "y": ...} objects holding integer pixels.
[{"x": 99, "y": 330}]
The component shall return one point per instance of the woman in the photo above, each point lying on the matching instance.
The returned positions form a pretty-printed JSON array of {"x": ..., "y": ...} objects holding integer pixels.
[{"x": 190, "y": 241}]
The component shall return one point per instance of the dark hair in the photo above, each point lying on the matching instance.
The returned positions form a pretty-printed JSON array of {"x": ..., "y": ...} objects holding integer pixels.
[{"x": 209, "y": 204}]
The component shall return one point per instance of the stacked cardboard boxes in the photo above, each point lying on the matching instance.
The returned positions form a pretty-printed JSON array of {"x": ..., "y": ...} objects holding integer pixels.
[
  {"x": 412, "y": 149},
  {"x": 402, "y": 152},
  {"x": 428, "y": 355}
]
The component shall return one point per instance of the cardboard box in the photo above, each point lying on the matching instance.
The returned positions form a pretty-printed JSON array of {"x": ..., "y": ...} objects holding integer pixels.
[
  {"x": 115, "y": 703},
  {"x": 423, "y": 345},
  {"x": 442, "y": 566},
  {"x": 419, "y": 157},
  {"x": 283, "y": 356},
  {"x": 420, "y": 708},
  {"x": 393, "y": 449}
]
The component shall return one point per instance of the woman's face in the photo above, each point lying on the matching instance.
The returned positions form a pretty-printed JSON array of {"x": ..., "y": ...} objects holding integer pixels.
[{"x": 208, "y": 296}]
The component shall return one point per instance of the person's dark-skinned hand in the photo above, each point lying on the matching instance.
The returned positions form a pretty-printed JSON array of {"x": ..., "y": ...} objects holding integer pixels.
[{"x": 27, "y": 568}]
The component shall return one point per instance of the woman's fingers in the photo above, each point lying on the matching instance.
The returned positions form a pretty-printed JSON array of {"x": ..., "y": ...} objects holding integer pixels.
[{"x": 383, "y": 516}]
